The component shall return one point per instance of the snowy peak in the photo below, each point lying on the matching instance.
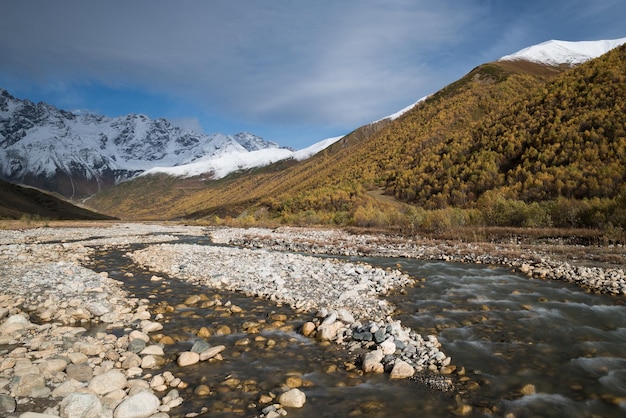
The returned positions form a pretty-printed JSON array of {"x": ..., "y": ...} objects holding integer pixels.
[
  {"x": 555, "y": 53},
  {"x": 78, "y": 155}
]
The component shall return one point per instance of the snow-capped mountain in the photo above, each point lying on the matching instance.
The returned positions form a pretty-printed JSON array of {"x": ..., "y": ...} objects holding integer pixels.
[
  {"x": 557, "y": 53},
  {"x": 78, "y": 155},
  {"x": 221, "y": 165}
]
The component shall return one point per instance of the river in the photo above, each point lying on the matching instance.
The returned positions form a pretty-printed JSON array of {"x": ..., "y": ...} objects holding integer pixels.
[{"x": 529, "y": 347}]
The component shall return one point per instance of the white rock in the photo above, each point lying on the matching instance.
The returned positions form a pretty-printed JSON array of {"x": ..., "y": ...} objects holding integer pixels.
[
  {"x": 187, "y": 358},
  {"x": 140, "y": 405},
  {"x": 108, "y": 382},
  {"x": 154, "y": 350},
  {"x": 372, "y": 361},
  {"x": 211, "y": 352},
  {"x": 402, "y": 370},
  {"x": 293, "y": 398},
  {"x": 84, "y": 405}
]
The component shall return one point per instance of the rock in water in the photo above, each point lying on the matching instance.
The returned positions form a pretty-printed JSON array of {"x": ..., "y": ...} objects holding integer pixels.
[
  {"x": 402, "y": 370},
  {"x": 372, "y": 362},
  {"x": 293, "y": 398}
]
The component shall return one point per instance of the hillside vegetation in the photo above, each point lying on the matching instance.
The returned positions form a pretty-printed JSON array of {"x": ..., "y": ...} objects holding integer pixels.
[
  {"x": 511, "y": 143},
  {"x": 26, "y": 203}
]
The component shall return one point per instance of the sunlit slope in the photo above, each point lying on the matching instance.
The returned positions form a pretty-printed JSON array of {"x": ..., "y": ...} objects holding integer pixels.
[{"x": 528, "y": 131}]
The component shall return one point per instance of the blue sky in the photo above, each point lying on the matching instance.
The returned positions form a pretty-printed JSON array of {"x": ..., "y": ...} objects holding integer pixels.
[{"x": 291, "y": 71}]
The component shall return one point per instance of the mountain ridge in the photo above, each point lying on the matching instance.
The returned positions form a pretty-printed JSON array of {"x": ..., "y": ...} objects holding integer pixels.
[{"x": 78, "y": 155}]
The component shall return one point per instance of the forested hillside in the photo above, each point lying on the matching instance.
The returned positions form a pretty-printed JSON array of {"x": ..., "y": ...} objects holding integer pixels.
[{"x": 511, "y": 143}]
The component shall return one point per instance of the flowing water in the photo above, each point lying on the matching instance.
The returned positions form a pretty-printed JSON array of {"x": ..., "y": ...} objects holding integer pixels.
[{"x": 529, "y": 347}]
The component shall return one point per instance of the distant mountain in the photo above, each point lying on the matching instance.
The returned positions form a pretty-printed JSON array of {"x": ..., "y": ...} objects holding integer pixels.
[
  {"x": 18, "y": 201},
  {"x": 511, "y": 130},
  {"x": 79, "y": 155}
]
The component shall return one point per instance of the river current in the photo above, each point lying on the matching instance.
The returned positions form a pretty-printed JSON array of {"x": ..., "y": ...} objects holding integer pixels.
[{"x": 530, "y": 348}]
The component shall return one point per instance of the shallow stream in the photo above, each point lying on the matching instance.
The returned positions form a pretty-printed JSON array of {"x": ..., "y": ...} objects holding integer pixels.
[{"x": 528, "y": 347}]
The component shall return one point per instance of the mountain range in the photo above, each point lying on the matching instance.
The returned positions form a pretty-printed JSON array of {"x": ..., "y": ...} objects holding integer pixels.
[
  {"x": 79, "y": 155},
  {"x": 469, "y": 144}
]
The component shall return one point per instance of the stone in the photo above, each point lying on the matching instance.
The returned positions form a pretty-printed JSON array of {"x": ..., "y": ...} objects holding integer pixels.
[
  {"x": 372, "y": 361},
  {"x": 140, "y": 405},
  {"x": 138, "y": 335},
  {"x": 187, "y": 358},
  {"x": 37, "y": 415},
  {"x": 7, "y": 404},
  {"x": 211, "y": 352},
  {"x": 131, "y": 360},
  {"x": 136, "y": 346},
  {"x": 294, "y": 382},
  {"x": 28, "y": 383},
  {"x": 308, "y": 329},
  {"x": 328, "y": 332},
  {"x": 402, "y": 370},
  {"x": 528, "y": 389},
  {"x": 199, "y": 346},
  {"x": 345, "y": 316},
  {"x": 97, "y": 309},
  {"x": 77, "y": 358},
  {"x": 202, "y": 390},
  {"x": 154, "y": 350},
  {"x": 108, "y": 382},
  {"x": 86, "y": 348},
  {"x": 223, "y": 330},
  {"x": 67, "y": 387},
  {"x": 388, "y": 347},
  {"x": 83, "y": 405},
  {"x": 150, "y": 326},
  {"x": 81, "y": 372},
  {"x": 14, "y": 323},
  {"x": 293, "y": 398},
  {"x": 52, "y": 366},
  {"x": 151, "y": 362}
]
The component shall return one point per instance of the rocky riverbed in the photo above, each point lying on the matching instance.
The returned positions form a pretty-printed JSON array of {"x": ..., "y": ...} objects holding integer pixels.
[
  {"x": 75, "y": 343},
  {"x": 537, "y": 262}
]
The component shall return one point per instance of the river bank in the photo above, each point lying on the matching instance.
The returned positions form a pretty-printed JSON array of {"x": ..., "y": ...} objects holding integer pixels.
[
  {"x": 49, "y": 364},
  {"x": 570, "y": 264}
]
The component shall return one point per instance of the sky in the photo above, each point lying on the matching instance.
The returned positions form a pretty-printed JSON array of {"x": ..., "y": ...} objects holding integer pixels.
[{"x": 294, "y": 72}]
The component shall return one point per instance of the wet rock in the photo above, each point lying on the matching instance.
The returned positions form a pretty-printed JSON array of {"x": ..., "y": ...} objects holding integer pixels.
[
  {"x": 402, "y": 370},
  {"x": 372, "y": 362},
  {"x": 200, "y": 346},
  {"x": 211, "y": 352},
  {"x": 293, "y": 398},
  {"x": 308, "y": 329},
  {"x": 187, "y": 358}
]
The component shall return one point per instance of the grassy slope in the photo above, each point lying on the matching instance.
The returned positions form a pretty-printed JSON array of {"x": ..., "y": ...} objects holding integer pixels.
[
  {"x": 412, "y": 158},
  {"x": 17, "y": 201}
]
